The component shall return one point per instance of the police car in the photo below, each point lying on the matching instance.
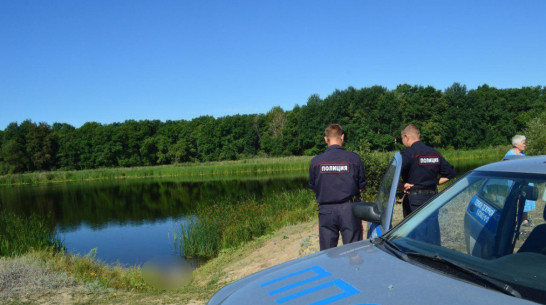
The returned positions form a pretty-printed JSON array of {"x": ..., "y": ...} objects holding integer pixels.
[{"x": 485, "y": 255}]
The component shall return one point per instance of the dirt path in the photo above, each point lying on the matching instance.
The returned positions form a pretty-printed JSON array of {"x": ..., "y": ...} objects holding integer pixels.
[{"x": 287, "y": 244}]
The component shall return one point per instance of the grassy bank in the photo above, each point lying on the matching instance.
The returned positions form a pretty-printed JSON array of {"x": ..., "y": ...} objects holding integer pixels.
[
  {"x": 193, "y": 171},
  {"x": 29, "y": 249},
  {"x": 42, "y": 278},
  {"x": 240, "y": 168},
  {"x": 35, "y": 236},
  {"x": 225, "y": 225},
  {"x": 230, "y": 231},
  {"x": 490, "y": 153}
]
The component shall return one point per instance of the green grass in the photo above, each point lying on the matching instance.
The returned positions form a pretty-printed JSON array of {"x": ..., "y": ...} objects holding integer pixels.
[
  {"x": 493, "y": 153},
  {"x": 218, "y": 228},
  {"x": 90, "y": 270},
  {"x": 19, "y": 235},
  {"x": 225, "y": 225},
  {"x": 35, "y": 236},
  {"x": 192, "y": 171},
  {"x": 241, "y": 168}
]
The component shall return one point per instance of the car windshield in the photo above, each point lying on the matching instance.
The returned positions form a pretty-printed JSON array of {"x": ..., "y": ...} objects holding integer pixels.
[{"x": 493, "y": 223}]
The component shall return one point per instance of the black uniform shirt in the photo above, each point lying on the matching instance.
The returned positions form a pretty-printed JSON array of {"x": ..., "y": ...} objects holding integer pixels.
[
  {"x": 336, "y": 175},
  {"x": 422, "y": 164}
]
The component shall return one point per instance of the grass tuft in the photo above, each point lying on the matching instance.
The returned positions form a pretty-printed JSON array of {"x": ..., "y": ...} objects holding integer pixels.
[
  {"x": 19, "y": 235},
  {"x": 225, "y": 225},
  {"x": 90, "y": 270}
]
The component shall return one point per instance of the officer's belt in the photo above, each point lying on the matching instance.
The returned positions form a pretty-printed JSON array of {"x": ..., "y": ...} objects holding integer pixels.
[
  {"x": 328, "y": 203},
  {"x": 423, "y": 192}
]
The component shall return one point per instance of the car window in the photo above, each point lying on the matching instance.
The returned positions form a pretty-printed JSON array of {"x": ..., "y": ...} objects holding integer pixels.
[
  {"x": 496, "y": 191},
  {"x": 383, "y": 194},
  {"x": 479, "y": 222}
]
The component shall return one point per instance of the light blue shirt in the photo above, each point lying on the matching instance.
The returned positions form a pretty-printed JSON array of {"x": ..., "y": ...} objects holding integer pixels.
[
  {"x": 529, "y": 204},
  {"x": 512, "y": 153}
]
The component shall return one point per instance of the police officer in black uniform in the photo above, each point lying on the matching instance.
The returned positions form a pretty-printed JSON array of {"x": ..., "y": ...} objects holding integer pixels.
[
  {"x": 421, "y": 166},
  {"x": 337, "y": 176}
]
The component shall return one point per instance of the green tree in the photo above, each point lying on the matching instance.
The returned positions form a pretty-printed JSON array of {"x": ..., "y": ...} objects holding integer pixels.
[
  {"x": 290, "y": 133},
  {"x": 84, "y": 141},
  {"x": 371, "y": 117},
  {"x": 14, "y": 154},
  {"x": 67, "y": 153},
  {"x": 207, "y": 141},
  {"x": 251, "y": 140},
  {"x": 182, "y": 151},
  {"x": 536, "y": 135},
  {"x": 106, "y": 151},
  {"x": 1, "y": 155},
  {"x": 41, "y": 146},
  {"x": 272, "y": 139},
  {"x": 456, "y": 115},
  {"x": 148, "y": 151},
  {"x": 14, "y": 157},
  {"x": 311, "y": 126}
]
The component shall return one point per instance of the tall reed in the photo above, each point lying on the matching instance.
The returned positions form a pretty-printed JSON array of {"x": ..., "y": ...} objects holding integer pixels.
[
  {"x": 196, "y": 171},
  {"x": 224, "y": 225},
  {"x": 193, "y": 171},
  {"x": 19, "y": 235}
]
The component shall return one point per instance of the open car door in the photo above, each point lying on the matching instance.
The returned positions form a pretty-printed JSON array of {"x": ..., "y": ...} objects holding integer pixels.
[{"x": 378, "y": 214}]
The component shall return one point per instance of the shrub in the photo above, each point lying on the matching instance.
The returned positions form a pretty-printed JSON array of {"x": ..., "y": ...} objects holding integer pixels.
[
  {"x": 375, "y": 165},
  {"x": 536, "y": 135}
]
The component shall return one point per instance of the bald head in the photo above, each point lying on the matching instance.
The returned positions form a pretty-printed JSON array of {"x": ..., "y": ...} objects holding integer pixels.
[{"x": 410, "y": 135}]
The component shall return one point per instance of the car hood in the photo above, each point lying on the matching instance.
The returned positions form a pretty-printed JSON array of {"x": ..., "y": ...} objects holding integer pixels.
[{"x": 358, "y": 273}]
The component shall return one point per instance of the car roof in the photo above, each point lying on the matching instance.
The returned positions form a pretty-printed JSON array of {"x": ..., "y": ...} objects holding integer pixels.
[{"x": 530, "y": 165}]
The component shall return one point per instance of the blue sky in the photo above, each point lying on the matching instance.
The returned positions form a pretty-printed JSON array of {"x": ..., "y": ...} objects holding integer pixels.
[{"x": 110, "y": 61}]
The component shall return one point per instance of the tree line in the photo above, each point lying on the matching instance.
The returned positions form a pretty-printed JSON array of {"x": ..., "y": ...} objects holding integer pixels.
[{"x": 371, "y": 117}]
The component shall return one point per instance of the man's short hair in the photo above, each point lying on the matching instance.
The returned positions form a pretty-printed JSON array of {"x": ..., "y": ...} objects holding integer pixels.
[
  {"x": 333, "y": 131},
  {"x": 412, "y": 131},
  {"x": 517, "y": 139}
]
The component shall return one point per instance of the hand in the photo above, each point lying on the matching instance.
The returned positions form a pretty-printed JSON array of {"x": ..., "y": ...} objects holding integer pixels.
[
  {"x": 407, "y": 187},
  {"x": 443, "y": 180}
]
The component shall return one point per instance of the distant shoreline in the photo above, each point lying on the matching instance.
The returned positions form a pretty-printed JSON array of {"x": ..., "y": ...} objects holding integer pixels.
[
  {"x": 253, "y": 167},
  {"x": 192, "y": 171}
]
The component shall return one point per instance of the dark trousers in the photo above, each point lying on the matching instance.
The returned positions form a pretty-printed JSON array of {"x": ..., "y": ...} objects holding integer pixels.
[
  {"x": 429, "y": 230},
  {"x": 413, "y": 201},
  {"x": 335, "y": 219}
]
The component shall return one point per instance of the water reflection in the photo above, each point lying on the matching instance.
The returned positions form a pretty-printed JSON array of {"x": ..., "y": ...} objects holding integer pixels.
[
  {"x": 133, "y": 220},
  {"x": 98, "y": 204},
  {"x": 129, "y": 244}
]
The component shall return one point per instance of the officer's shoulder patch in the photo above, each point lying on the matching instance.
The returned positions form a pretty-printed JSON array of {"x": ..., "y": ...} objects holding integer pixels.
[
  {"x": 429, "y": 160},
  {"x": 334, "y": 167}
]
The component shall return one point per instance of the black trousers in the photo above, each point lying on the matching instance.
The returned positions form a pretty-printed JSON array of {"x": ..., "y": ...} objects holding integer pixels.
[
  {"x": 335, "y": 219},
  {"x": 412, "y": 202},
  {"x": 429, "y": 230}
]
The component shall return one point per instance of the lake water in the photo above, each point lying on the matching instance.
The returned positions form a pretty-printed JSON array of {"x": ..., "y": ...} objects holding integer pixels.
[
  {"x": 134, "y": 220},
  {"x": 130, "y": 221}
]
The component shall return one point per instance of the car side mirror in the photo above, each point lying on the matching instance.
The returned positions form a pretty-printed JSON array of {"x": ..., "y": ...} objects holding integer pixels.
[
  {"x": 529, "y": 192},
  {"x": 367, "y": 211}
]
